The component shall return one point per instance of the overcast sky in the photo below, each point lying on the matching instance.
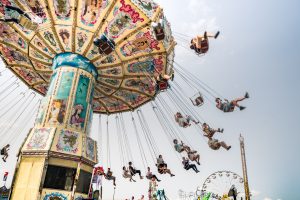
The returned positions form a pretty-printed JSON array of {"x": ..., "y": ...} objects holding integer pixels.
[{"x": 257, "y": 51}]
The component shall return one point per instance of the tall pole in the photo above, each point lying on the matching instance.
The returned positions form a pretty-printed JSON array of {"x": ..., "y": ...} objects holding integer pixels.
[{"x": 244, "y": 165}]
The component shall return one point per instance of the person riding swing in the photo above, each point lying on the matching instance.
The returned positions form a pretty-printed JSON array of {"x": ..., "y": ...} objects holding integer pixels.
[
  {"x": 200, "y": 43},
  {"x": 229, "y": 106},
  {"x": 18, "y": 16},
  {"x": 180, "y": 147},
  {"x": 158, "y": 29},
  {"x": 184, "y": 121},
  {"x": 109, "y": 176},
  {"x": 126, "y": 174},
  {"x": 4, "y": 152},
  {"x": 162, "y": 82},
  {"x": 134, "y": 171},
  {"x": 210, "y": 131},
  {"x": 162, "y": 167}
]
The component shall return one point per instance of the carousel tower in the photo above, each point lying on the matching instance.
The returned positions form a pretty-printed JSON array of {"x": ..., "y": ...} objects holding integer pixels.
[
  {"x": 58, "y": 154},
  {"x": 56, "y": 57}
]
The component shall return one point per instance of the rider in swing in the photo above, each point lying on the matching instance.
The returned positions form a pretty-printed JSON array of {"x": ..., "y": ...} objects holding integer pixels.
[
  {"x": 184, "y": 121},
  {"x": 200, "y": 43},
  {"x": 18, "y": 16},
  {"x": 229, "y": 106}
]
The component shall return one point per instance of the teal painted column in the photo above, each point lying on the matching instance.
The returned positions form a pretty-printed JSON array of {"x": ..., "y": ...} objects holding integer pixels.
[{"x": 68, "y": 102}]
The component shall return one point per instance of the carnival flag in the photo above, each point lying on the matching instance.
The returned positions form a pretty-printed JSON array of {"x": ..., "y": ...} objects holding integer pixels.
[{"x": 5, "y": 176}]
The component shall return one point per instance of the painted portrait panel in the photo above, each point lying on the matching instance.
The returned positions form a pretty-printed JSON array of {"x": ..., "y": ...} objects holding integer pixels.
[
  {"x": 91, "y": 10},
  {"x": 79, "y": 110},
  {"x": 62, "y": 9},
  {"x": 57, "y": 111}
]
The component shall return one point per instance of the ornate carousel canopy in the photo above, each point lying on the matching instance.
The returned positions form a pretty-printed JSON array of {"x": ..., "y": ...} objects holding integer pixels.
[{"x": 125, "y": 78}]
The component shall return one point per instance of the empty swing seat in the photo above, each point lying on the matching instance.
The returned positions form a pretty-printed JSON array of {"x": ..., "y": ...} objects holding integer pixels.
[
  {"x": 105, "y": 46},
  {"x": 159, "y": 33},
  {"x": 199, "y": 101}
]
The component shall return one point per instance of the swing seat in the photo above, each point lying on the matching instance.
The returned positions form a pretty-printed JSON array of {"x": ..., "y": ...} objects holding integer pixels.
[
  {"x": 199, "y": 101},
  {"x": 105, "y": 46},
  {"x": 159, "y": 34},
  {"x": 204, "y": 46},
  {"x": 185, "y": 125},
  {"x": 163, "y": 85},
  {"x": 27, "y": 23}
]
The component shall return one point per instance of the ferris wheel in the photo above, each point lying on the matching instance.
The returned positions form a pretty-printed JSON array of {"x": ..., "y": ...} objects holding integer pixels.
[{"x": 224, "y": 185}]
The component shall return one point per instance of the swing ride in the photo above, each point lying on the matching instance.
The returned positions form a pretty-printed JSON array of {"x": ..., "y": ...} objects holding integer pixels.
[{"x": 85, "y": 57}]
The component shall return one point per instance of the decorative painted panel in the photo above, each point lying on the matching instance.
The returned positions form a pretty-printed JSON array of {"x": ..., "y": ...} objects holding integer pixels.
[
  {"x": 65, "y": 36},
  {"x": 50, "y": 39},
  {"x": 144, "y": 85},
  {"x": 90, "y": 149},
  {"x": 83, "y": 37},
  {"x": 147, "y": 66},
  {"x": 131, "y": 98},
  {"x": 68, "y": 142},
  {"x": 40, "y": 44},
  {"x": 141, "y": 44},
  {"x": 8, "y": 35},
  {"x": 42, "y": 111},
  {"x": 28, "y": 75},
  {"x": 65, "y": 85},
  {"x": 12, "y": 56},
  {"x": 39, "y": 139},
  {"x": 91, "y": 12},
  {"x": 149, "y": 7}
]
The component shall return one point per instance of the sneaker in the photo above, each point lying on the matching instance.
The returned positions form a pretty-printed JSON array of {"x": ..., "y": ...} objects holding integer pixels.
[
  {"x": 247, "y": 95},
  {"x": 158, "y": 180},
  {"x": 228, "y": 148},
  {"x": 3, "y": 159},
  {"x": 172, "y": 175},
  {"x": 197, "y": 171},
  {"x": 133, "y": 180},
  {"x": 217, "y": 34},
  {"x": 242, "y": 108},
  {"x": 198, "y": 163}
]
